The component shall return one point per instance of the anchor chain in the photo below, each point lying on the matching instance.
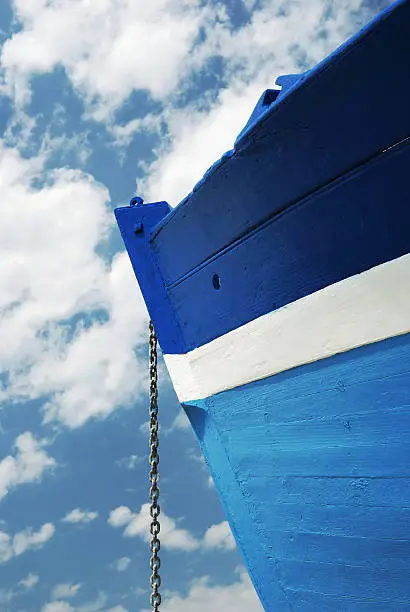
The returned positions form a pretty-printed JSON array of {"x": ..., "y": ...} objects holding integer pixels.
[{"x": 155, "y": 545}]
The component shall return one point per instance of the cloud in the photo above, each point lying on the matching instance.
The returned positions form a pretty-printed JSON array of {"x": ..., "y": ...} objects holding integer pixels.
[
  {"x": 58, "y": 606},
  {"x": 21, "y": 542},
  {"x": 123, "y": 134},
  {"x": 95, "y": 606},
  {"x": 144, "y": 428},
  {"x": 122, "y": 564},
  {"x": 98, "y": 605},
  {"x": 69, "y": 321},
  {"x": 137, "y": 524},
  {"x": 130, "y": 462},
  {"x": 28, "y": 539},
  {"x": 121, "y": 516},
  {"x": 107, "y": 49},
  {"x": 284, "y": 36},
  {"x": 172, "y": 537},
  {"x": 80, "y": 516},
  {"x": 29, "y": 464},
  {"x": 181, "y": 422},
  {"x": 93, "y": 375},
  {"x": 6, "y": 596},
  {"x": 29, "y": 581},
  {"x": 219, "y": 536},
  {"x": 196, "y": 138},
  {"x": 21, "y": 588},
  {"x": 280, "y": 37},
  {"x": 203, "y": 596},
  {"x": 65, "y": 590}
]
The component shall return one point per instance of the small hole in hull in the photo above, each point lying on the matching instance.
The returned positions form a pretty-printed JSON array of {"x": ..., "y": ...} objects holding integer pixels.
[{"x": 216, "y": 281}]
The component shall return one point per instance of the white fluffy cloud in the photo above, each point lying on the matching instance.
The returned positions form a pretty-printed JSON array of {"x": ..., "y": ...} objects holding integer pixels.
[
  {"x": 52, "y": 224},
  {"x": 80, "y": 516},
  {"x": 108, "y": 49},
  {"x": 97, "y": 605},
  {"x": 93, "y": 378},
  {"x": 204, "y": 596},
  {"x": 172, "y": 537},
  {"x": 14, "y": 546},
  {"x": 29, "y": 581},
  {"x": 65, "y": 590},
  {"x": 219, "y": 536},
  {"x": 28, "y": 465},
  {"x": 137, "y": 524},
  {"x": 281, "y": 37},
  {"x": 58, "y": 606},
  {"x": 122, "y": 564},
  {"x": 197, "y": 138}
]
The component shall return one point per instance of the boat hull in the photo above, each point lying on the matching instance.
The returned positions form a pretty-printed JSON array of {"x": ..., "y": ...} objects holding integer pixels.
[
  {"x": 312, "y": 467},
  {"x": 280, "y": 293}
]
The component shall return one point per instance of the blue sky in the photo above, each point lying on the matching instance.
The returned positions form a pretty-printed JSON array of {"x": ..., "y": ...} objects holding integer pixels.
[{"x": 99, "y": 101}]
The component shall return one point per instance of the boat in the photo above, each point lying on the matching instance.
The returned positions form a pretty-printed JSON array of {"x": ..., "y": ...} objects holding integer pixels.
[{"x": 279, "y": 289}]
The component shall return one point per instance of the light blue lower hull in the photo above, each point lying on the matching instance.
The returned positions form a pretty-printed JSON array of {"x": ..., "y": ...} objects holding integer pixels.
[{"x": 313, "y": 468}]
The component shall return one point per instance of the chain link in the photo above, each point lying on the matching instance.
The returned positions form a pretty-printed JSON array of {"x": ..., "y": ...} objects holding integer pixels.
[{"x": 155, "y": 545}]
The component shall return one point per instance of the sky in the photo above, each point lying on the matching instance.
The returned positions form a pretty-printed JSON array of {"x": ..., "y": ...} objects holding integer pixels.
[{"x": 101, "y": 100}]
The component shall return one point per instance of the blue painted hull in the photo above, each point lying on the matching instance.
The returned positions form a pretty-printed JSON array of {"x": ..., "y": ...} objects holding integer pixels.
[
  {"x": 312, "y": 466},
  {"x": 307, "y": 438}
]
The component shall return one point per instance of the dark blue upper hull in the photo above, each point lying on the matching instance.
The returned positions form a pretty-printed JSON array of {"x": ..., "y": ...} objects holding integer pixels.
[{"x": 323, "y": 153}]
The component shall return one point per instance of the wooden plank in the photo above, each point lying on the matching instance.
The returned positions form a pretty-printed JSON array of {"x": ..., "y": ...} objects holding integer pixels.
[
  {"x": 338, "y": 579},
  {"x": 312, "y": 466},
  {"x": 359, "y": 310},
  {"x": 373, "y": 552},
  {"x": 352, "y": 106},
  {"x": 359, "y": 222},
  {"x": 304, "y": 600}
]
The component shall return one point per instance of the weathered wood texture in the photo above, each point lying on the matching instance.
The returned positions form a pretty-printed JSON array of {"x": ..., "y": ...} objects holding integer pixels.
[
  {"x": 351, "y": 107},
  {"x": 364, "y": 308},
  {"x": 313, "y": 469},
  {"x": 312, "y": 464},
  {"x": 352, "y": 225}
]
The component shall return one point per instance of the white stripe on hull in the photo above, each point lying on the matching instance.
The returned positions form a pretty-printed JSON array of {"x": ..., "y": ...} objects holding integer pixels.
[{"x": 359, "y": 310}]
